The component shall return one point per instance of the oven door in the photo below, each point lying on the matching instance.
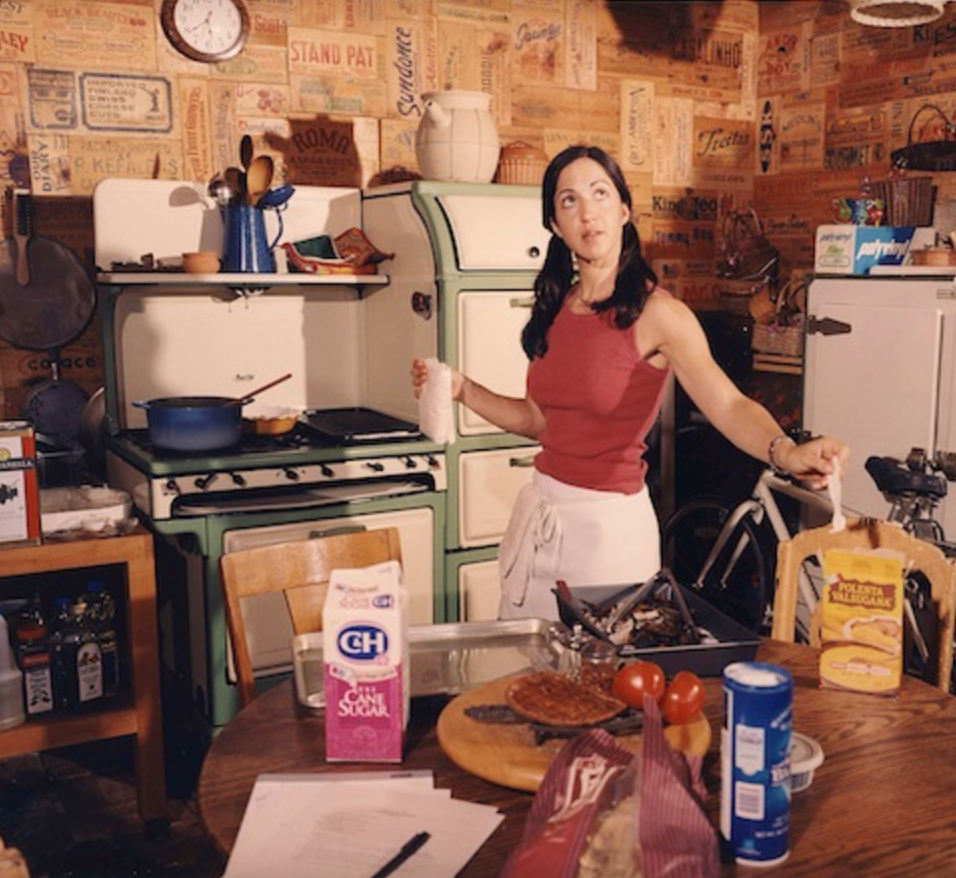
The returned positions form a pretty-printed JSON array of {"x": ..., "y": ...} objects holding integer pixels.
[
  {"x": 268, "y": 626},
  {"x": 195, "y": 644}
]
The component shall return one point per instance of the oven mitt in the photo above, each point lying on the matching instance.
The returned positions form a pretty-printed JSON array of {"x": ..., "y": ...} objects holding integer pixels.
[{"x": 435, "y": 410}]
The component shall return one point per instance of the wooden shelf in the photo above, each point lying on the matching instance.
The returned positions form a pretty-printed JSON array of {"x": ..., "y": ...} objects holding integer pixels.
[{"x": 141, "y": 717}]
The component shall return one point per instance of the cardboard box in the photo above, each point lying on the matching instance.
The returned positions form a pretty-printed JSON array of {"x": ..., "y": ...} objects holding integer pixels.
[
  {"x": 367, "y": 686},
  {"x": 19, "y": 487},
  {"x": 846, "y": 249},
  {"x": 861, "y": 621}
]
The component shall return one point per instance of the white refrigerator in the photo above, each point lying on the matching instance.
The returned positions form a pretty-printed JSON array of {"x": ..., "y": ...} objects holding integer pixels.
[{"x": 880, "y": 373}]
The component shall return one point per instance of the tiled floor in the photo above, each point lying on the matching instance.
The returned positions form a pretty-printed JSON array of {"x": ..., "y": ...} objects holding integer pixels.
[{"x": 72, "y": 812}]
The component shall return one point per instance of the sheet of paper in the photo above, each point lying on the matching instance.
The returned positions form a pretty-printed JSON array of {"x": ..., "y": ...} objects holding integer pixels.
[{"x": 349, "y": 829}]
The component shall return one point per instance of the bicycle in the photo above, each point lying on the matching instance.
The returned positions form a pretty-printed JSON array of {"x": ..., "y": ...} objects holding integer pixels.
[{"x": 728, "y": 553}]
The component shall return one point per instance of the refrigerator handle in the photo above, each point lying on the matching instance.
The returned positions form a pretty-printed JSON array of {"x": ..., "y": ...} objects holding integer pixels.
[{"x": 827, "y": 326}]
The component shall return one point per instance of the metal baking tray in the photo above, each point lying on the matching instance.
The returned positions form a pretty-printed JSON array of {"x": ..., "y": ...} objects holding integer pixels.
[
  {"x": 729, "y": 642},
  {"x": 446, "y": 659}
]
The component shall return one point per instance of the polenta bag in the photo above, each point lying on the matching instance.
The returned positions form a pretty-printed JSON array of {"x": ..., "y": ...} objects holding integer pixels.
[{"x": 861, "y": 621}]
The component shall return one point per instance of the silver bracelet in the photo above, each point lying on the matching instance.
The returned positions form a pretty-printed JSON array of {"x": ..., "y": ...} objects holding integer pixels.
[{"x": 770, "y": 451}]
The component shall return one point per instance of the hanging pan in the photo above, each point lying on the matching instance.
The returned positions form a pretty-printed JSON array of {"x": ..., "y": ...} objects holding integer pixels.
[
  {"x": 54, "y": 405},
  {"x": 46, "y": 296}
]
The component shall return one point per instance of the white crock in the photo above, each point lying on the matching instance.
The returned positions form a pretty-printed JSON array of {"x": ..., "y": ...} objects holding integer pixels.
[{"x": 457, "y": 138}]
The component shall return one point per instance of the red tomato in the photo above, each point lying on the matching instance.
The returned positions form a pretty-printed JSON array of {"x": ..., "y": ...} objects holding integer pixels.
[
  {"x": 683, "y": 698},
  {"x": 634, "y": 679}
]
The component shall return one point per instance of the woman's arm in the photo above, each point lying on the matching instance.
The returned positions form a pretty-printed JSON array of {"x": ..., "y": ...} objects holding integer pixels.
[
  {"x": 519, "y": 416},
  {"x": 669, "y": 328}
]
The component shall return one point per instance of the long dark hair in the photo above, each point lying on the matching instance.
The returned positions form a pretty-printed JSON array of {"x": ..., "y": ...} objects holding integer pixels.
[{"x": 635, "y": 277}]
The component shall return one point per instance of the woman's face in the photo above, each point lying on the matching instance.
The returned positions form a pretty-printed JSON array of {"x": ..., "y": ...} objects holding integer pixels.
[{"x": 589, "y": 215}]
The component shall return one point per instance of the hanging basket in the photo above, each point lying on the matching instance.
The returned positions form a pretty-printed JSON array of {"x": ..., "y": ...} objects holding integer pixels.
[{"x": 936, "y": 155}]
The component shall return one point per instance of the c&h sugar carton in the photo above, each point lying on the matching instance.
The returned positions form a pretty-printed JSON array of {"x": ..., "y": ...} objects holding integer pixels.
[{"x": 365, "y": 625}]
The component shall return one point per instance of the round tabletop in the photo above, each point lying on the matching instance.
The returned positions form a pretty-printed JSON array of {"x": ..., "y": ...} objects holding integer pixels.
[{"x": 877, "y": 805}]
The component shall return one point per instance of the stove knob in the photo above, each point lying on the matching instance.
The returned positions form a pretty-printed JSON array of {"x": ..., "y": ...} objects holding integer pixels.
[
  {"x": 292, "y": 475},
  {"x": 375, "y": 466},
  {"x": 205, "y": 481},
  {"x": 327, "y": 471},
  {"x": 411, "y": 463},
  {"x": 432, "y": 462},
  {"x": 172, "y": 487},
  {"x": 238, "y": 480}
]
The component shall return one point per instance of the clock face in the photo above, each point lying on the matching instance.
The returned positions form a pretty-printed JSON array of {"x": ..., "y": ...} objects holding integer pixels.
[{"x": 206, "y": 30}]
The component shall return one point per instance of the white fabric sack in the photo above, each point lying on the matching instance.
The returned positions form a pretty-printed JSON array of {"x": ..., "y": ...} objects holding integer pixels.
[{"x": 435, "y": 410}]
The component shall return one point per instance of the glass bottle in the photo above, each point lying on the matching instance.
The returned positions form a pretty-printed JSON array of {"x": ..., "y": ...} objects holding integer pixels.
[
  {"x": 102, "y": 612},
  {"x": 81, "y": 661},
  {"x": 59, "y": 623},
  {"x": 32, "y": 635}
]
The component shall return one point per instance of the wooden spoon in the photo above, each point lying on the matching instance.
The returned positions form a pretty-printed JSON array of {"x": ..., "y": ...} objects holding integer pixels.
[
  {"x": 245, "y": 151},
  {"x": 248, "y": 397},
  {"x": 259, "y": 178}
]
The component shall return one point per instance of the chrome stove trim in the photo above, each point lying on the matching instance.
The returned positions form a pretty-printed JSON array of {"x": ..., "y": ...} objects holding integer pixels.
[{"x": 157, "y": 496}]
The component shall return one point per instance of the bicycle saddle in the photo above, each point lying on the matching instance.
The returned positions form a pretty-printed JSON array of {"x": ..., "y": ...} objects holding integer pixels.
[{"x": 893, "y": 477}]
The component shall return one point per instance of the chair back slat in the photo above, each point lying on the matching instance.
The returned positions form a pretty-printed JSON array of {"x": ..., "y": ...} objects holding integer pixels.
[{"x": 300, "y": 569}]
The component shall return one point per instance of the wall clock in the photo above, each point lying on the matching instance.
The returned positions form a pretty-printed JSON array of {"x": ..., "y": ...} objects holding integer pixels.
[{"x": 206, "y": 30}]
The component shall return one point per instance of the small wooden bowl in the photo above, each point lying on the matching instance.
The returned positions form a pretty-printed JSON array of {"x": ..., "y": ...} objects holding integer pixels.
[{"x": 201, "y": 262}]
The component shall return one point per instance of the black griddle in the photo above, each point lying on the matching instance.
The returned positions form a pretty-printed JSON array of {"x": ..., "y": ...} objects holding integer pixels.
[{"x": 357, "y": 424}]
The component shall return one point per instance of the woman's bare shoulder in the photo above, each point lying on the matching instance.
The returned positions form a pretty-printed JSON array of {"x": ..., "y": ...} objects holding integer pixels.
[{"x": 662, "y": 305}]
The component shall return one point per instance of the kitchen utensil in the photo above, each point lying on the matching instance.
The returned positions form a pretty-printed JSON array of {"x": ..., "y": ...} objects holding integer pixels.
[
  {"x": 248, "y": 397},
  {"x": 193, "y": 423},
  {"x": 91, "y": 433},
  {"x": 276, "y": 198},
  {"x": 246, "y": 150},
  {"x": 221, "y": 191},
  {"x": 259, "y": 178},
  {"x": 236, "y": 181},
  {"x": 246, "y": 248},
  {"x": 55, "y": 305},
  {"x": 54, "y": 406},
  {"x": 21, "y": 234},
  {"x": 358, "y": 424},
  {"x": 201, "y": 262}
]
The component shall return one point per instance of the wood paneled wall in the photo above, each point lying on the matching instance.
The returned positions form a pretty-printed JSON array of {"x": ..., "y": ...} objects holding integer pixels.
[{"x": 707, "y": 105}]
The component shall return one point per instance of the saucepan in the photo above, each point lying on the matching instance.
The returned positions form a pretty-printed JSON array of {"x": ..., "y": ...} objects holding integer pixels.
[{"x": 198, "y": 423}]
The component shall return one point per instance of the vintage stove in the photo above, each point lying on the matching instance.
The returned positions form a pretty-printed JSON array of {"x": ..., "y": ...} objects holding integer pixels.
[{"x": 346, "y": 464}]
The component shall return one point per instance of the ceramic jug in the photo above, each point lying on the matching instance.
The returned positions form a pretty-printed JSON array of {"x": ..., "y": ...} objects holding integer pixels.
[
  {"x": 457, "y": 138},
  {"x": 246, "y": 247}
]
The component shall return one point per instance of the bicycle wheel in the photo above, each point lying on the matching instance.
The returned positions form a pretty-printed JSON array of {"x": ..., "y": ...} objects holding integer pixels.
[{"x": 735, "y": 580}]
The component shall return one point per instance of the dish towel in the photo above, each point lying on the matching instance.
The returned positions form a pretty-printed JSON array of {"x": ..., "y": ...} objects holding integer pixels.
[
  {"x": 435, "y": 415},
  {"x": 533, "y": 524}
]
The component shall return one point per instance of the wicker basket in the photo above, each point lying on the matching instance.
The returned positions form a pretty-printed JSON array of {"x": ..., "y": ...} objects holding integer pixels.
[
  {"x": 735, "y": 295},
  {"x": 521, "y": 165},
  {"x": 776, "y": 339}
]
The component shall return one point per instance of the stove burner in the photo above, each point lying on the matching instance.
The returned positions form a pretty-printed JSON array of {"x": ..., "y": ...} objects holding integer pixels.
[{"x": 300, "y": 437}]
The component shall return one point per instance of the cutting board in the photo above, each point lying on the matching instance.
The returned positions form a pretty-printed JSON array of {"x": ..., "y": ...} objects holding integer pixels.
[{"x": 506, "y": 754}]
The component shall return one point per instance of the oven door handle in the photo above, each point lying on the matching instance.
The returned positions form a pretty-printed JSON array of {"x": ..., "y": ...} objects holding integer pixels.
[{"x": 333, "y": 531}]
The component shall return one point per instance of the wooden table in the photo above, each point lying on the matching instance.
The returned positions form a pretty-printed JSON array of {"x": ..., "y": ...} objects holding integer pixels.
[{"x": 880, "y": 805}]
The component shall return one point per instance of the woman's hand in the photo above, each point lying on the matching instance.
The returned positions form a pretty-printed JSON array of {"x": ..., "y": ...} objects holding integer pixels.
[
  {"x": 419, "y": 376},
  {"x": 420, "y": 379},
  {"x": 812, "y": 462}
]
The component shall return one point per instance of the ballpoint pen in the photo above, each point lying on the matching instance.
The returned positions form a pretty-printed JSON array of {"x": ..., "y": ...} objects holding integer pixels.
[{"x": 408, "y": 850}]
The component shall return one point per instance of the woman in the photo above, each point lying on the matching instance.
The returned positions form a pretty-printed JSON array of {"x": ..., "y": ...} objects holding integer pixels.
[{"x": 601, "y": 340}]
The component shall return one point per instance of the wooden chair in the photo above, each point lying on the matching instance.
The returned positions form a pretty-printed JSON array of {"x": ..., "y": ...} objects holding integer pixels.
[
  {"x": 919, "y": 555},
  {"x": 301, "y": 570}
]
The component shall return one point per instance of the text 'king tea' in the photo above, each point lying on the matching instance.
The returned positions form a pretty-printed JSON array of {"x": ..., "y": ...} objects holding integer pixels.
[
  {"x": 861, "y": 617},
  {"x": 365, "y": 625}
]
